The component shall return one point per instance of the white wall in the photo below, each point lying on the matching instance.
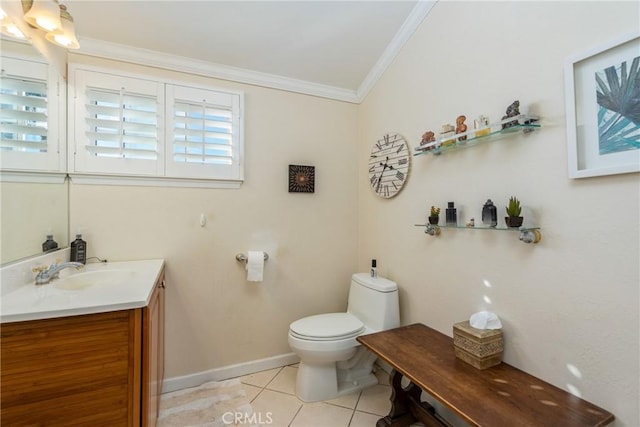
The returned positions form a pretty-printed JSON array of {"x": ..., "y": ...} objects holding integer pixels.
[
  {"x": 214, "y": 317},
  {"x": 570, "y": 304}
]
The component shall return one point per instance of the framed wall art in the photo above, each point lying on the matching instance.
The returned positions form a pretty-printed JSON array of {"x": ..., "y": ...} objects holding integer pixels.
[
  {"x": 302, "y": 179},
  {"x": 602, "y": 95}
]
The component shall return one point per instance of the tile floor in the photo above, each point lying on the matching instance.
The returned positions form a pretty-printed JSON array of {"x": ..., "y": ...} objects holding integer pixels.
[{"x": 273, "y": 391}]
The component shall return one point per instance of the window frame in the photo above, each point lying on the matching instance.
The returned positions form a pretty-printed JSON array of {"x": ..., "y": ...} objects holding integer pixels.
[
  {"x": 166, "y": 175},
  {"x": 49, "y": 166}
]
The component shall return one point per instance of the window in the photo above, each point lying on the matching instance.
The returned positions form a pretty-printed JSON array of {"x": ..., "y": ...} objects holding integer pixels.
[
  {"x": 133, "y": 127},
  {"x": 118, "y": 125},
  {"x": 204, "y": 129},
  {"x": 29, "y": 115}
]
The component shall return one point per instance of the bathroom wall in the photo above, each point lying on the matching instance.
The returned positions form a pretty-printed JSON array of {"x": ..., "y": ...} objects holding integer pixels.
[
  {"x": 214, "y": 317},
  {"x": 570, "y": 304}
]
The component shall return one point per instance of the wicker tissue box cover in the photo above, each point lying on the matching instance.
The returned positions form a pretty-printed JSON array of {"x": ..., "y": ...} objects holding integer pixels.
[{"x": 481, "y": 348}]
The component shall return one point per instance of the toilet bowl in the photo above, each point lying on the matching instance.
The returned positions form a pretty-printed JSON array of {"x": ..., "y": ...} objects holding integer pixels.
[{"x": 332, "y": 362}]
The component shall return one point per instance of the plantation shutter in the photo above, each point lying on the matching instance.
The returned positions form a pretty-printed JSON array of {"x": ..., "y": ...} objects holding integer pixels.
[
  {"x": 23, "y": 115},
  {"x": 28, "y": 120},
  {"x": 203, "y": 132},
  {"x": 121, "y": 124},
  {"x": 119, "y": 127}
]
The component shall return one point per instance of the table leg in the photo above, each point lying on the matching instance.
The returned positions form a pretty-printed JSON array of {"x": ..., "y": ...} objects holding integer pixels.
[{"x": 406, "y": 407}]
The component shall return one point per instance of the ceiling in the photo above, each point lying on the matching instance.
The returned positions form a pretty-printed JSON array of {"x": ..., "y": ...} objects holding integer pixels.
[{"x": 329, "y": 48}]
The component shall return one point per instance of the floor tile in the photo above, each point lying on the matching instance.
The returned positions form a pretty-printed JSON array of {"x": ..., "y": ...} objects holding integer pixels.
[
  {"x": 285, "y": 381},
  {"x": 375, "y": 400},
  {"x": 347, "y": 401},
  {"x": 260, "y": 379},
  {"x": 251, "y": 391},
  {"x": 362, "y": 419},
  {"x": 320, "y": 414},
  {"x": 279, "y": 407}
]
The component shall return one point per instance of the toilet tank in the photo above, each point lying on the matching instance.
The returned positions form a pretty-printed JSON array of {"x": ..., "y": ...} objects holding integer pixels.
[{"x": 374, "y": 301}]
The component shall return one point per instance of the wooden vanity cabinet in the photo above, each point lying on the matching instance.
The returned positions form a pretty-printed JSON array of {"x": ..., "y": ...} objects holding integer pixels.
[{"x": 94, "y": 369}]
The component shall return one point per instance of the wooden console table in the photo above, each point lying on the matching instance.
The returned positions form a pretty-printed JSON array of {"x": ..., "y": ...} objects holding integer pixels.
[{"x": 498, "y": 396}]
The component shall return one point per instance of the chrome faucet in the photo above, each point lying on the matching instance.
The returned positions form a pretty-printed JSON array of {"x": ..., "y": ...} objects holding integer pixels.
[{"x": 45, "y": 274}]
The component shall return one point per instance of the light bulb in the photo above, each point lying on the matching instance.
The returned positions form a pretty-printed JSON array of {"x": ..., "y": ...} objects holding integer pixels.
[
  {"x": 46, "y": 23},
  {"x": 44, "y": 14},
  {"x": 62, "y": 40}
]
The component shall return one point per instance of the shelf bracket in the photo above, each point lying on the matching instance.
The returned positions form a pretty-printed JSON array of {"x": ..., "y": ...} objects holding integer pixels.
[
  {"x": 530, "y": 236},
  {"x": 432, "y": 230}
]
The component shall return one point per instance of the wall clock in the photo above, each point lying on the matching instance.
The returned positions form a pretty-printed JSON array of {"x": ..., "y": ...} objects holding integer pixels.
[{"x": 389, "y": 164}]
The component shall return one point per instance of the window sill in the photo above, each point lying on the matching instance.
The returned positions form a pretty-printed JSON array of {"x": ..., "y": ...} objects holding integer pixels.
[
  {"x": 144, "y": 181},
  {"x": 35, "y": 177}
]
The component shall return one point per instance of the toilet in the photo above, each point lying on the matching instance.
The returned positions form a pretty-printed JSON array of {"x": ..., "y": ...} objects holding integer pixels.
[{"x": 332, "y": 362}]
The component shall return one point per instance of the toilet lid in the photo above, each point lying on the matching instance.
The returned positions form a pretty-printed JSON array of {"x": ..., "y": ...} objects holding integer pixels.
[{"x": 329, "y": 326}]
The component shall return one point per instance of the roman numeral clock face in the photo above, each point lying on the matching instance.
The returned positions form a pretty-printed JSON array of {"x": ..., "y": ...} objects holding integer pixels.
[{"x": 389, "y": 165}]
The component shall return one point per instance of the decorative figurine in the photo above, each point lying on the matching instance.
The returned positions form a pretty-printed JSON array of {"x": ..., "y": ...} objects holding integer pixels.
[
  {"x": 461, "y": 127},
  {"x": 428, "y": 137},
  {"x": 481, "y": 125},
  {"x": 445, "y": 132},
  {"x": 513, "y": 110}
]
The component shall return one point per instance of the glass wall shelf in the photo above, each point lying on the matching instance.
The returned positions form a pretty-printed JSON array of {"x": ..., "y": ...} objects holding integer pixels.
[
  {"x": 527, "y": 234},
  {"x": 525, "y": 124}
]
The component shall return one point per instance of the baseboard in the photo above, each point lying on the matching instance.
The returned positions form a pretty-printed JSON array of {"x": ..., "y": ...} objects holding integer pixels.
[
  {"x": 383, "y": 365},
  {"x": 230, "y": 371}
]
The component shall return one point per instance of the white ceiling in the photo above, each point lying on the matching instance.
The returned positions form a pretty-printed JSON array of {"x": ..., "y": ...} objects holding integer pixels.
[{"x": 328, "y": 48}]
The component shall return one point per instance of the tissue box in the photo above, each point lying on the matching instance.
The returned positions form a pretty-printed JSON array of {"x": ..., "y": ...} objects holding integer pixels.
[{"x": 481, "y": 348}]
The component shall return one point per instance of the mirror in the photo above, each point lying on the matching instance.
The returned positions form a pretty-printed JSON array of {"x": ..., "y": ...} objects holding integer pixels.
[{"x": 31, "y": 210}]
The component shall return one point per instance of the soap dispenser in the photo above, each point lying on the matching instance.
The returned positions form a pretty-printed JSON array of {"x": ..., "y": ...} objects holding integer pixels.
[{"x": 79, "y": 250}]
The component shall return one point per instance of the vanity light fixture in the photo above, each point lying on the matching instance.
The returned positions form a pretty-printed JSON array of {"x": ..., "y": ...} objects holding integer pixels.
[
  {"x": 66, "y": 37},
  {"x": 54, "y": 19},
  {"x": 44, "y": 14},
  {"x": 9, "y": 28}
]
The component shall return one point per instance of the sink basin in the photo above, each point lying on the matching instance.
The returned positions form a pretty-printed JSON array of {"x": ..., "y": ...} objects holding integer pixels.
[{"x": 98, "y": 278}]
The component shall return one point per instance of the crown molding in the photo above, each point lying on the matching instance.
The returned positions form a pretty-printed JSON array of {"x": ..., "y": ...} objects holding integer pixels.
[
  {"x": 157, "y": 59},
  {"x": 119, "y": 52},
  {"x": 410, "y": 25}
]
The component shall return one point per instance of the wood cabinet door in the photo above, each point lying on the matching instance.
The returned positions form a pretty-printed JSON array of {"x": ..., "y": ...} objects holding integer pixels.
[{"x": 71, "y": 371}]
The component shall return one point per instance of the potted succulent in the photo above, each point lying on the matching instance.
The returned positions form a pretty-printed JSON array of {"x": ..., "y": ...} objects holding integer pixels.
[
  {"x": 513, "y": 211},
  {"x": 434, "y": 216}
]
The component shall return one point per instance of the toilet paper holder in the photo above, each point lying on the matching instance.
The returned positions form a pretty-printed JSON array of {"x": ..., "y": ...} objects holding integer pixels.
[{"x": 243, "y": 257}]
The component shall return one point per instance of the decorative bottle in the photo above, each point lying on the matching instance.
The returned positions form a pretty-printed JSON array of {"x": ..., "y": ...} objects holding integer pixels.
[
  {"x": 451, "y": 214},
  {"x": 489, "y": 214}
]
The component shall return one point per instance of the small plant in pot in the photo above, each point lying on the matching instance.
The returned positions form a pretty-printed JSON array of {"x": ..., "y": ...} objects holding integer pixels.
[
  {"x": 434, "y": 216},
  {"x": 513, "y": 211}
]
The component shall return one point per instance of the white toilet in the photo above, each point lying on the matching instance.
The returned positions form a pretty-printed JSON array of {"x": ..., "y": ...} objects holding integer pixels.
[{"x": 332, "y": 362}]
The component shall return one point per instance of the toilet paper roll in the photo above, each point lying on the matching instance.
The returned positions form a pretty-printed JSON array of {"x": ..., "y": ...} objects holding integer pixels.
[{"x": 255, "y": 266}]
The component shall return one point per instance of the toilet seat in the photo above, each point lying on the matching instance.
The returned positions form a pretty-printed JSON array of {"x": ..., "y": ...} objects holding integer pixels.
[{"x": 327, "y": 327}]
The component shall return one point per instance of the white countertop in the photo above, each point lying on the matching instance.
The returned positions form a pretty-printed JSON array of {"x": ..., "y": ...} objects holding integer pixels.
[{"x": 32, "y": 302}]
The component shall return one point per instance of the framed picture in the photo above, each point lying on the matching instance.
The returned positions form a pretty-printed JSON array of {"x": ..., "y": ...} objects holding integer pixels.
[
  {"x": 302, "y": 179},
  {"x": 602, "y": 95}
]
